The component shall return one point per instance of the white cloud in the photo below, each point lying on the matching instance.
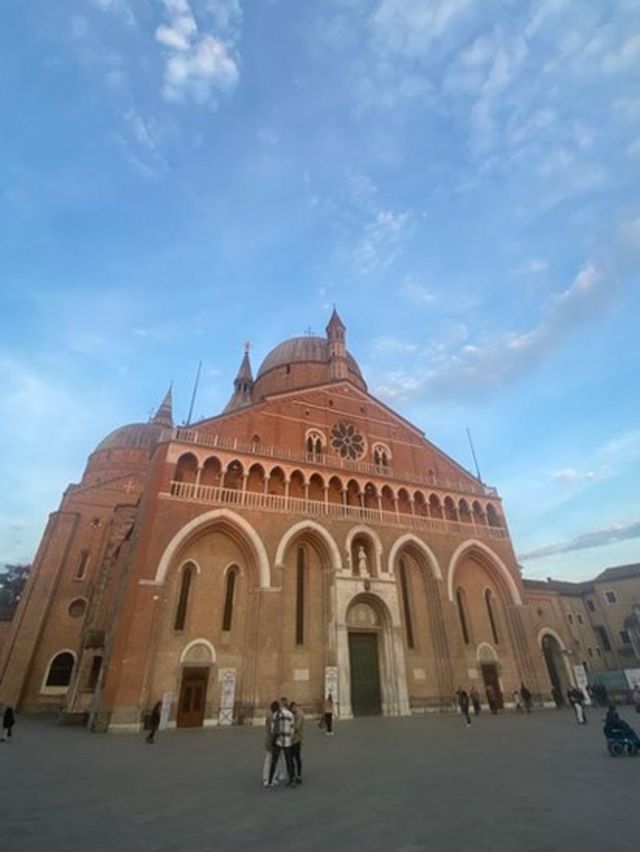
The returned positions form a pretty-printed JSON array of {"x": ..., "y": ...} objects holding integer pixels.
[
  {"x": 585, "y": 541},
  {"x": 418, "y": 294},
  {"x": 199, "y": 63},
  {"x": 624, "y": 57},
  {"x": 381, "y": 242},
  {"x": 410, "y": 26},
  {"x": 122, "y": 8}
]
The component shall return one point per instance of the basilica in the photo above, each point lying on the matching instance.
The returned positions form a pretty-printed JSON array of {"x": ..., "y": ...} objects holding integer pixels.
[{"x": 308, "y": 540}]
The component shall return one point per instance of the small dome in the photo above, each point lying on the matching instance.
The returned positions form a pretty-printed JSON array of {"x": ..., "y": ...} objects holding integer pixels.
[
  {"x": 305, "y": 349},
  {"x": 135, "y": 436}
]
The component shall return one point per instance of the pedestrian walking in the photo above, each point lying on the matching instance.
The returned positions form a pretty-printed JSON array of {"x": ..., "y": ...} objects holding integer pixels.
[
  {"x": 526, "y": 697},
  {"x": 492, "y": 701},
  {"x": 517, "y": 701},
  {"x": 463, "y": 703},
  {"x": 268, "y": 742},
  {"x": 576, "y": 699},
  {"x": 327, "y": 715},
  {"x": 297, "y": 739},
  {"x": 635, "y": 695},
  {"x": 154, "y": 721},
  {"x": 282, "y": 735},
  {"x": 474, "y": 695},
  {"x": 8, "y": 721}
]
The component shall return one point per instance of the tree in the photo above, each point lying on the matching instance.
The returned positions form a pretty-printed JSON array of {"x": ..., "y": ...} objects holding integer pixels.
[{"x": 12, "y": 582}]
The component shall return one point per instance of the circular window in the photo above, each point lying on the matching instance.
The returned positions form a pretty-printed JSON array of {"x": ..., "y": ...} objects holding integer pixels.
[
  {"x": 77, "y": 607},
  {"x": 346, "y": 439}
]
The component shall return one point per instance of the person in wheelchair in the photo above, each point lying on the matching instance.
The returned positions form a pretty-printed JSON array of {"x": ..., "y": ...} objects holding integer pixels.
[{"x": 620, "y": 735}]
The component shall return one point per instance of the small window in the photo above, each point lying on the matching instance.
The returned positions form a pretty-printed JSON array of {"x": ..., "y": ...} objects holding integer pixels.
[
  {"x": 610, "y": 597},
  {"x": 625, "y": 638},
  {"x": 94, "y": 673},
  {"x": 183, "y": 600},
  {"x": 569, "y": 618},
  {"x": 227, "y": 618},
  {"x": 590, "y": 652},
  {"x": 60, "y": 670},
  {"x": 77, "y": 608},
  {"x": 598, "y": 652},
  {"x": 580, "y": 618},
  {"x": 591, "y": 606},
  {"x": 81, "y": 569},
  {"x": 603, "y": 636}
]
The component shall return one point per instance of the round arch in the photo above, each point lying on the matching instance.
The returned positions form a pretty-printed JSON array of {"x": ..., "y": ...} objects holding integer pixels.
[
  {"x": 309, "y": 526},
  {"x": 193, "y": 644},
  {"x": 223, "y": 517},
  {"x": 410, "y": 538},
  {"x": 489, "y": 650},
  {"x": 362, "y": 529},
  {"x": 550, "y": 632},
  {"x": 474, "y": 544}
]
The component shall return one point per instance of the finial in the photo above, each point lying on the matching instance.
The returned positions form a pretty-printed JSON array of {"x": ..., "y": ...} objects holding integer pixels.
[{"x": 246, "y": 346}]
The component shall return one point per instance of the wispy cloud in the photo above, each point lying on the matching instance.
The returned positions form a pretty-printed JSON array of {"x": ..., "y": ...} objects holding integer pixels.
[
  {"x": 585, "y": 541},
  {"x": 200, "y": 62},
  {"x": 410, "y": 26}
]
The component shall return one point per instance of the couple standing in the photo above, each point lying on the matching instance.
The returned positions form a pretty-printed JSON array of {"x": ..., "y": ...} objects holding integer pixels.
[{"x": 284, "y": 732}]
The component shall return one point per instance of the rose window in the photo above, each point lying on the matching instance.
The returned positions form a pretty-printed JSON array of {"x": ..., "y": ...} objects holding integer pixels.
[{"x": 347, "y": 441}]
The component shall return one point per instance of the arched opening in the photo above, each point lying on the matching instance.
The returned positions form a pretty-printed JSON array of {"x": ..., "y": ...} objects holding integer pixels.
[
  {"x": 490, "y": 671},
  {"x": 493, "y": 519},
  {"x": 234, "y": 475},
  {"x": 370, "y": 496},
  {"x": 381, "y": 456},
  {"x": 227, "y": 615},
  {"x": 363, "y": 560},
  {"x": 404, "y": 502},
  {"x": 315, "y": 445},
  {"x": 183, "y": 597},
  {"x": 364, "y": 629},
  {"x": 296, "y": 485},
  {"x": 255, "y": 480},
  {"x": 556, "y": 667},
  {"x": 488, "y": 596},
  {"x": 353, "y": 493},
  {"x": 211, "y": 472},
  {"x": 186, "y": 468},
  {"x": 450, "y": 509},
  {"x": 276, "y": 481},
  {"x": 478, "y": 513},
  {"x": 60, "y": 670},
  {"x": 420, "y": 504},
  {"x": 435, "y": 507},
  {"x": 463, "y": 617},
  {"x": 464, "y": 512},
  {"x": 335, "y": 490},
  {"x": 386, "y": 499},
  {"x": 316, "y": 487}
]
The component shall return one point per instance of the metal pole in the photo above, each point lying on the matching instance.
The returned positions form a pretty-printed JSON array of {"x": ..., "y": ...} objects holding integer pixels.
[{"x": 193, "y": 395}]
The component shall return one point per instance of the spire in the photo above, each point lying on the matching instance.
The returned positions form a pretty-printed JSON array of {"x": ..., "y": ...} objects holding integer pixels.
[
  {"x": 242, "y": 384},
  {"x": 338, "y": 367},
  {"x": 164, "y": 414}
]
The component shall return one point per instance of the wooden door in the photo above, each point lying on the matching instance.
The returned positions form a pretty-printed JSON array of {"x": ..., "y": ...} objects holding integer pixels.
[
  {"x": 365, "y": 674},
  {"x": 490, "y": 678},
  {"x": 193, "y": 697}
]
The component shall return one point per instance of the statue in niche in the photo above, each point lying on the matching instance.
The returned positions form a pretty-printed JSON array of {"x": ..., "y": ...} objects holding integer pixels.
[{"x": 363, "y": 569}]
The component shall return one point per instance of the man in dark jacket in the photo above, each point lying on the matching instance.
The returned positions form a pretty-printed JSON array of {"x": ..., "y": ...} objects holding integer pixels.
[
  {"x": 463, "y": 703},
  {"x": 8, "y": 721}
]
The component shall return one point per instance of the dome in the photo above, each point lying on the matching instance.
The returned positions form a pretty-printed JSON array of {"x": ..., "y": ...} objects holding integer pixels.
[
  {"x": 135, "y": 436},
  {"x": 306, "y": 349}
]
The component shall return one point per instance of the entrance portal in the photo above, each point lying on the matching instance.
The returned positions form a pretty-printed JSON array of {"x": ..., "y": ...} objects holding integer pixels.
[
  {"x": 193, "y": 694},
  {"x": 555, "y": 666},
  {"x": 365, "y": 674},
  {"x": 490, "y": 678}
]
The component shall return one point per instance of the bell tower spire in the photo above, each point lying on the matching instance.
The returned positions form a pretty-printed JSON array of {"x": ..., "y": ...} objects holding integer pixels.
[
  {"x": 164, "y": 414},
  {"x": 336, "y": 338},
  {"x": 242, "y": 384}
]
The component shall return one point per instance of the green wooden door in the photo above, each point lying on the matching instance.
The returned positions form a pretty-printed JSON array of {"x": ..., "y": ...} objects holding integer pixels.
[{"x": 365, "y": 674}]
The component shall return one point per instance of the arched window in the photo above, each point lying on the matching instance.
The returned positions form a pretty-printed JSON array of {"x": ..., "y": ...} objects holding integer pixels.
[
  {"x": 404, "y": 589},
  {"x": 61, "y": 669},
  {"x": 462, "y": 616},
  {"x": 381, "y": 455},
  {"x": 300, "y": 597},
  {"x": 315, "y": 444},
  {"x": 487, "y": 599},
  {"x": 227, "y": 617},
  {"x": 183, "y": 600},
  {"x": 81, "y": 569}
]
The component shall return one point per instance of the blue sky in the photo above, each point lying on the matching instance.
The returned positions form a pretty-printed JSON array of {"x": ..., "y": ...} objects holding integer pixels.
[{"x": 460, "y": 177}]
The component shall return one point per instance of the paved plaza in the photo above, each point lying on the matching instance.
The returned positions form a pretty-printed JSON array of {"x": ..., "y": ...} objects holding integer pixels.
[{"x": 512, "y": 783}]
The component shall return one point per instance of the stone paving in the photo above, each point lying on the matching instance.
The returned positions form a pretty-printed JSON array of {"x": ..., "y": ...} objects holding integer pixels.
[{"x": 535, "y": 783}]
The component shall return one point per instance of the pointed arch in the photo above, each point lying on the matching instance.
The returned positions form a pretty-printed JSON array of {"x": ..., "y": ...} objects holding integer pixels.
[
  {"x": 314, "y": 528},
  {"x": 225, "y": 518},
  {"x": 479, "y": 546},
  {"x": 425, "y": 550}
]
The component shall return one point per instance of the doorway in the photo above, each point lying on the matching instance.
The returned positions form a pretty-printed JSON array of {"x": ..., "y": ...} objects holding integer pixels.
[
  {"x": 365, "y": 674},
  {"x": 193, "y": 695},
  {"x": 555, "y": 667},
  {"x": 490, "y": 678}
]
